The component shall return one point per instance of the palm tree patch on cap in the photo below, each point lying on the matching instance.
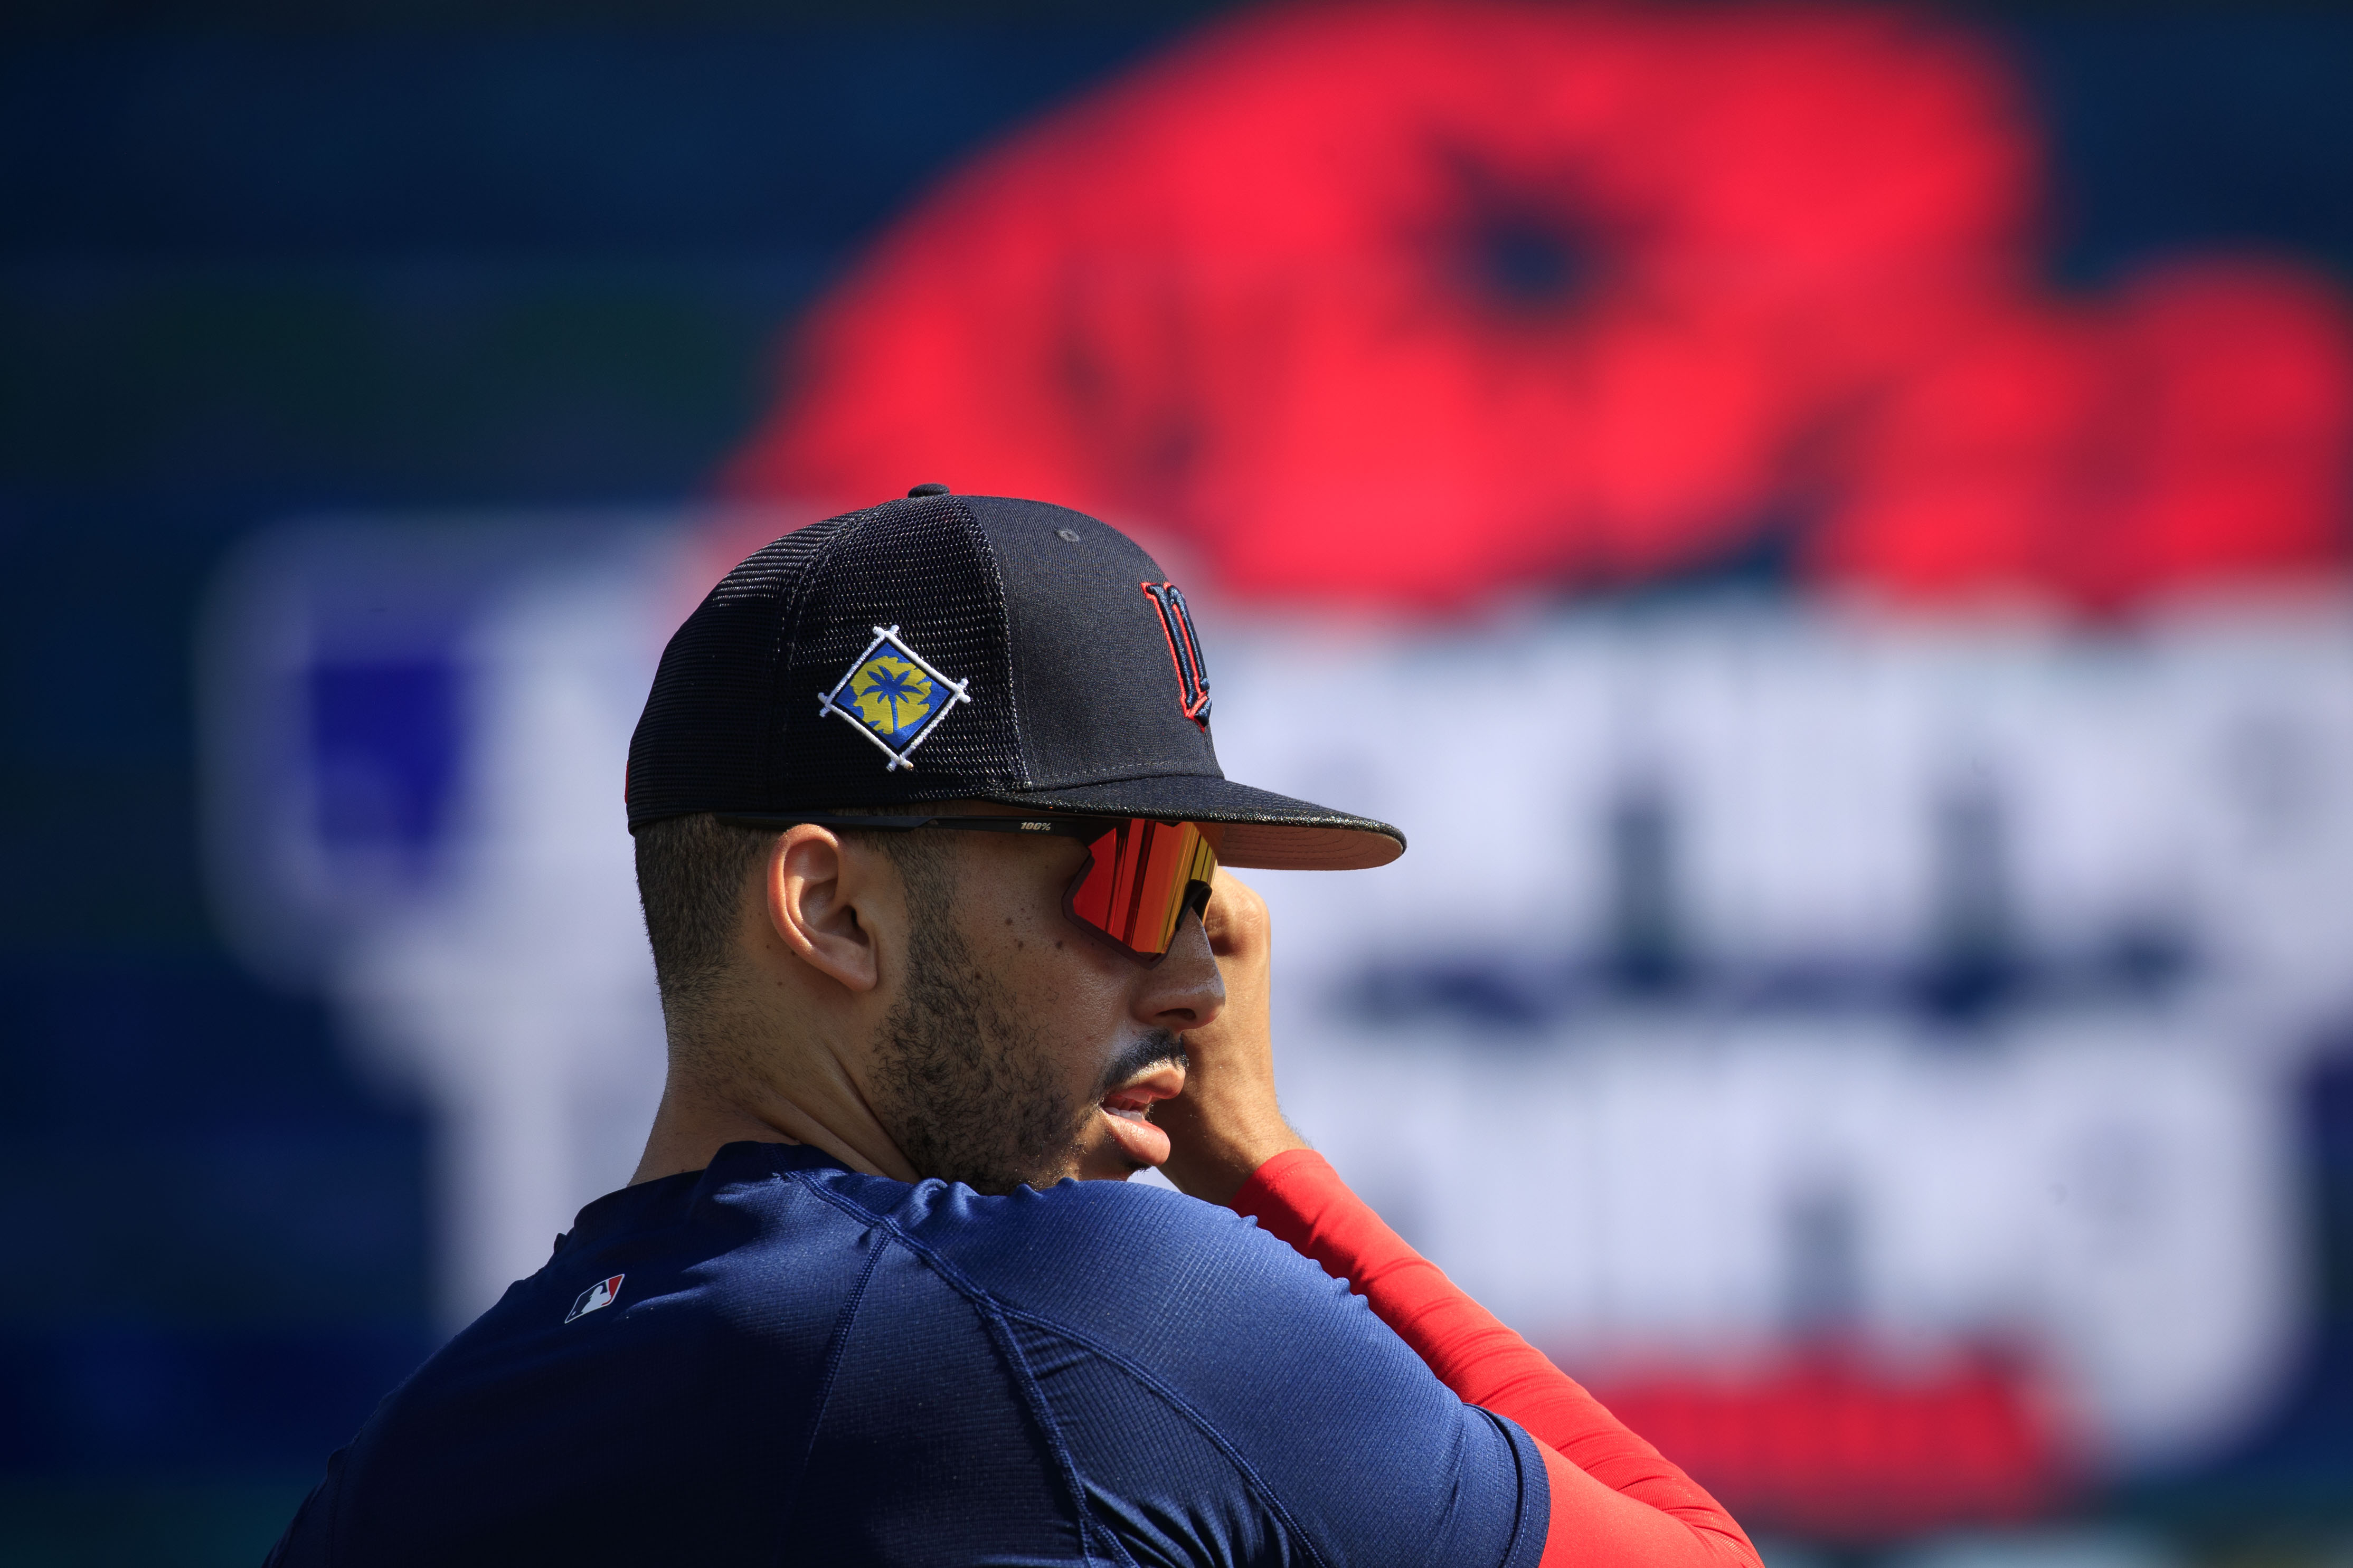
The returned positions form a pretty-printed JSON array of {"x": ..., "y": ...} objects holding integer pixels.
[{"x": 893, "y": 695}]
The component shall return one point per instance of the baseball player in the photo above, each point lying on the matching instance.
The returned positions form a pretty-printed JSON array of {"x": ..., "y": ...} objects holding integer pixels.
[{"x": 930, "y": 838}]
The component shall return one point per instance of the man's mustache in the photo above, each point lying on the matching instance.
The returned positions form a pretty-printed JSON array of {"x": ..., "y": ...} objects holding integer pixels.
[{"x": 1141, "y": 1055}]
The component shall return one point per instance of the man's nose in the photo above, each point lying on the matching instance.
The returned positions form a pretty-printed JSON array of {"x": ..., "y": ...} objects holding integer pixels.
[{"x": 1184, "y": 990}]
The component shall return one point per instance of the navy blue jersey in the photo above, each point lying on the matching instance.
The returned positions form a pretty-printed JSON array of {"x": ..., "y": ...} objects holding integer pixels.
[{"x": 778, "y": 1359}]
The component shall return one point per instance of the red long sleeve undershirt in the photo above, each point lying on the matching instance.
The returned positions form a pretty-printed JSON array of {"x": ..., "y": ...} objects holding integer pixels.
[{"x": 1616, "y": 1503}]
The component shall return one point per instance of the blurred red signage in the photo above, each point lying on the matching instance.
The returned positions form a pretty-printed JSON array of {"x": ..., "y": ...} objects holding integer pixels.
[{"x": 1409, "y": 304}]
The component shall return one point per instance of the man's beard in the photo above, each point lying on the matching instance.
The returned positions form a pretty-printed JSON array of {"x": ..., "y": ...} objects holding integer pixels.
[{"x": 967, "y": 1089}]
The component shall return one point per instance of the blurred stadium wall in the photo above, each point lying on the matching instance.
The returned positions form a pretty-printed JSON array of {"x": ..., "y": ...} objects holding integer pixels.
[{"x": 1858, "y": 501}]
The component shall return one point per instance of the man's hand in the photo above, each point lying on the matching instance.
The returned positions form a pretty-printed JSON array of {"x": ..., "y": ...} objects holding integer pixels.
[{"x": 1226, "y": 1125}]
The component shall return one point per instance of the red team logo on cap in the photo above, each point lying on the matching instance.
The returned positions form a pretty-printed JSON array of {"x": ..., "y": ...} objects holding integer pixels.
[
  {"x": 600, "y": 1294},
  {"x": 1185, "y": 649}
]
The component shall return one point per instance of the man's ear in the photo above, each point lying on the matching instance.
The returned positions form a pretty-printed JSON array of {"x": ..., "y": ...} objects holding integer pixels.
[{"x": 818, "y": 893}]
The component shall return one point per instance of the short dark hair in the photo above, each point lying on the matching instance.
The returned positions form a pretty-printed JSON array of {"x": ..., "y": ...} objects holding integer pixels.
[{"x": 694, "y": 872}]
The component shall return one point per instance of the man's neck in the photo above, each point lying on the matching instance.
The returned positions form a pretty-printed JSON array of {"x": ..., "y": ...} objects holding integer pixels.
[
  {"x": 690, "y": 1129},
  {"x": 695, "y": 1122}
]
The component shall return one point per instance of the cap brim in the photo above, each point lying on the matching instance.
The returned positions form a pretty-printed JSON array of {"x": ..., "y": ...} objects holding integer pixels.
[{"x": 1264, "y": 831}]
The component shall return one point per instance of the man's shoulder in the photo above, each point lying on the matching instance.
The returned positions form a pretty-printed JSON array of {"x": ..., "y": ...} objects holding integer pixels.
[
  {"x": 1136, "y": 1272},
  {"x": 990, "y": 1238},
  {"x": 1077, "y": 1251},
  {"x": 935, "y": 1211},
  {"x": 1119, "y": 1265},
  {"x": 1152, "y": 1325}
]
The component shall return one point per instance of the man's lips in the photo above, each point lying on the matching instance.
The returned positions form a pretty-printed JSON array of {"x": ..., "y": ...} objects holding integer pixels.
[{"x": 1127, "y": 1110}]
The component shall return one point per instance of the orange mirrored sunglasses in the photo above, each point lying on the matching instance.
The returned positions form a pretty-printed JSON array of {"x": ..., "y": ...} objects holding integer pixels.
[{"x": 1140, "y": 877}]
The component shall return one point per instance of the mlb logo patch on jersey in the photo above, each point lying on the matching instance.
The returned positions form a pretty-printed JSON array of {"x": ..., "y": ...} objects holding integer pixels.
[
  {"x": 600, "y": 1294},
  {"x": 894, "y": 697}
]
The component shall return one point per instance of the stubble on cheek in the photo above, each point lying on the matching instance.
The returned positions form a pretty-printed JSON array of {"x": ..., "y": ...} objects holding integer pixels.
[{"x": 963, "y": 1084}]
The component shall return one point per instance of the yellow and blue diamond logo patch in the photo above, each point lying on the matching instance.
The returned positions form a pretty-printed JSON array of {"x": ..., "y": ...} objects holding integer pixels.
[{"x": 893, "y": 695}]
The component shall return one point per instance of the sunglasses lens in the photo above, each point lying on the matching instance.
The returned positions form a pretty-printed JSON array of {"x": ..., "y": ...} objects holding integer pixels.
[{"x": 1142, "y": 877}]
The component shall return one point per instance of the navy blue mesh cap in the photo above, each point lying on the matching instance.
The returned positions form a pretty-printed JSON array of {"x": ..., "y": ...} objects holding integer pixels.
[{"x": 958, "y": 647}]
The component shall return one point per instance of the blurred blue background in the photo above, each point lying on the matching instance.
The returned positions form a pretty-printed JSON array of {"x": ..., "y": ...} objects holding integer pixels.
[{"x": 256, "y": 265}]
